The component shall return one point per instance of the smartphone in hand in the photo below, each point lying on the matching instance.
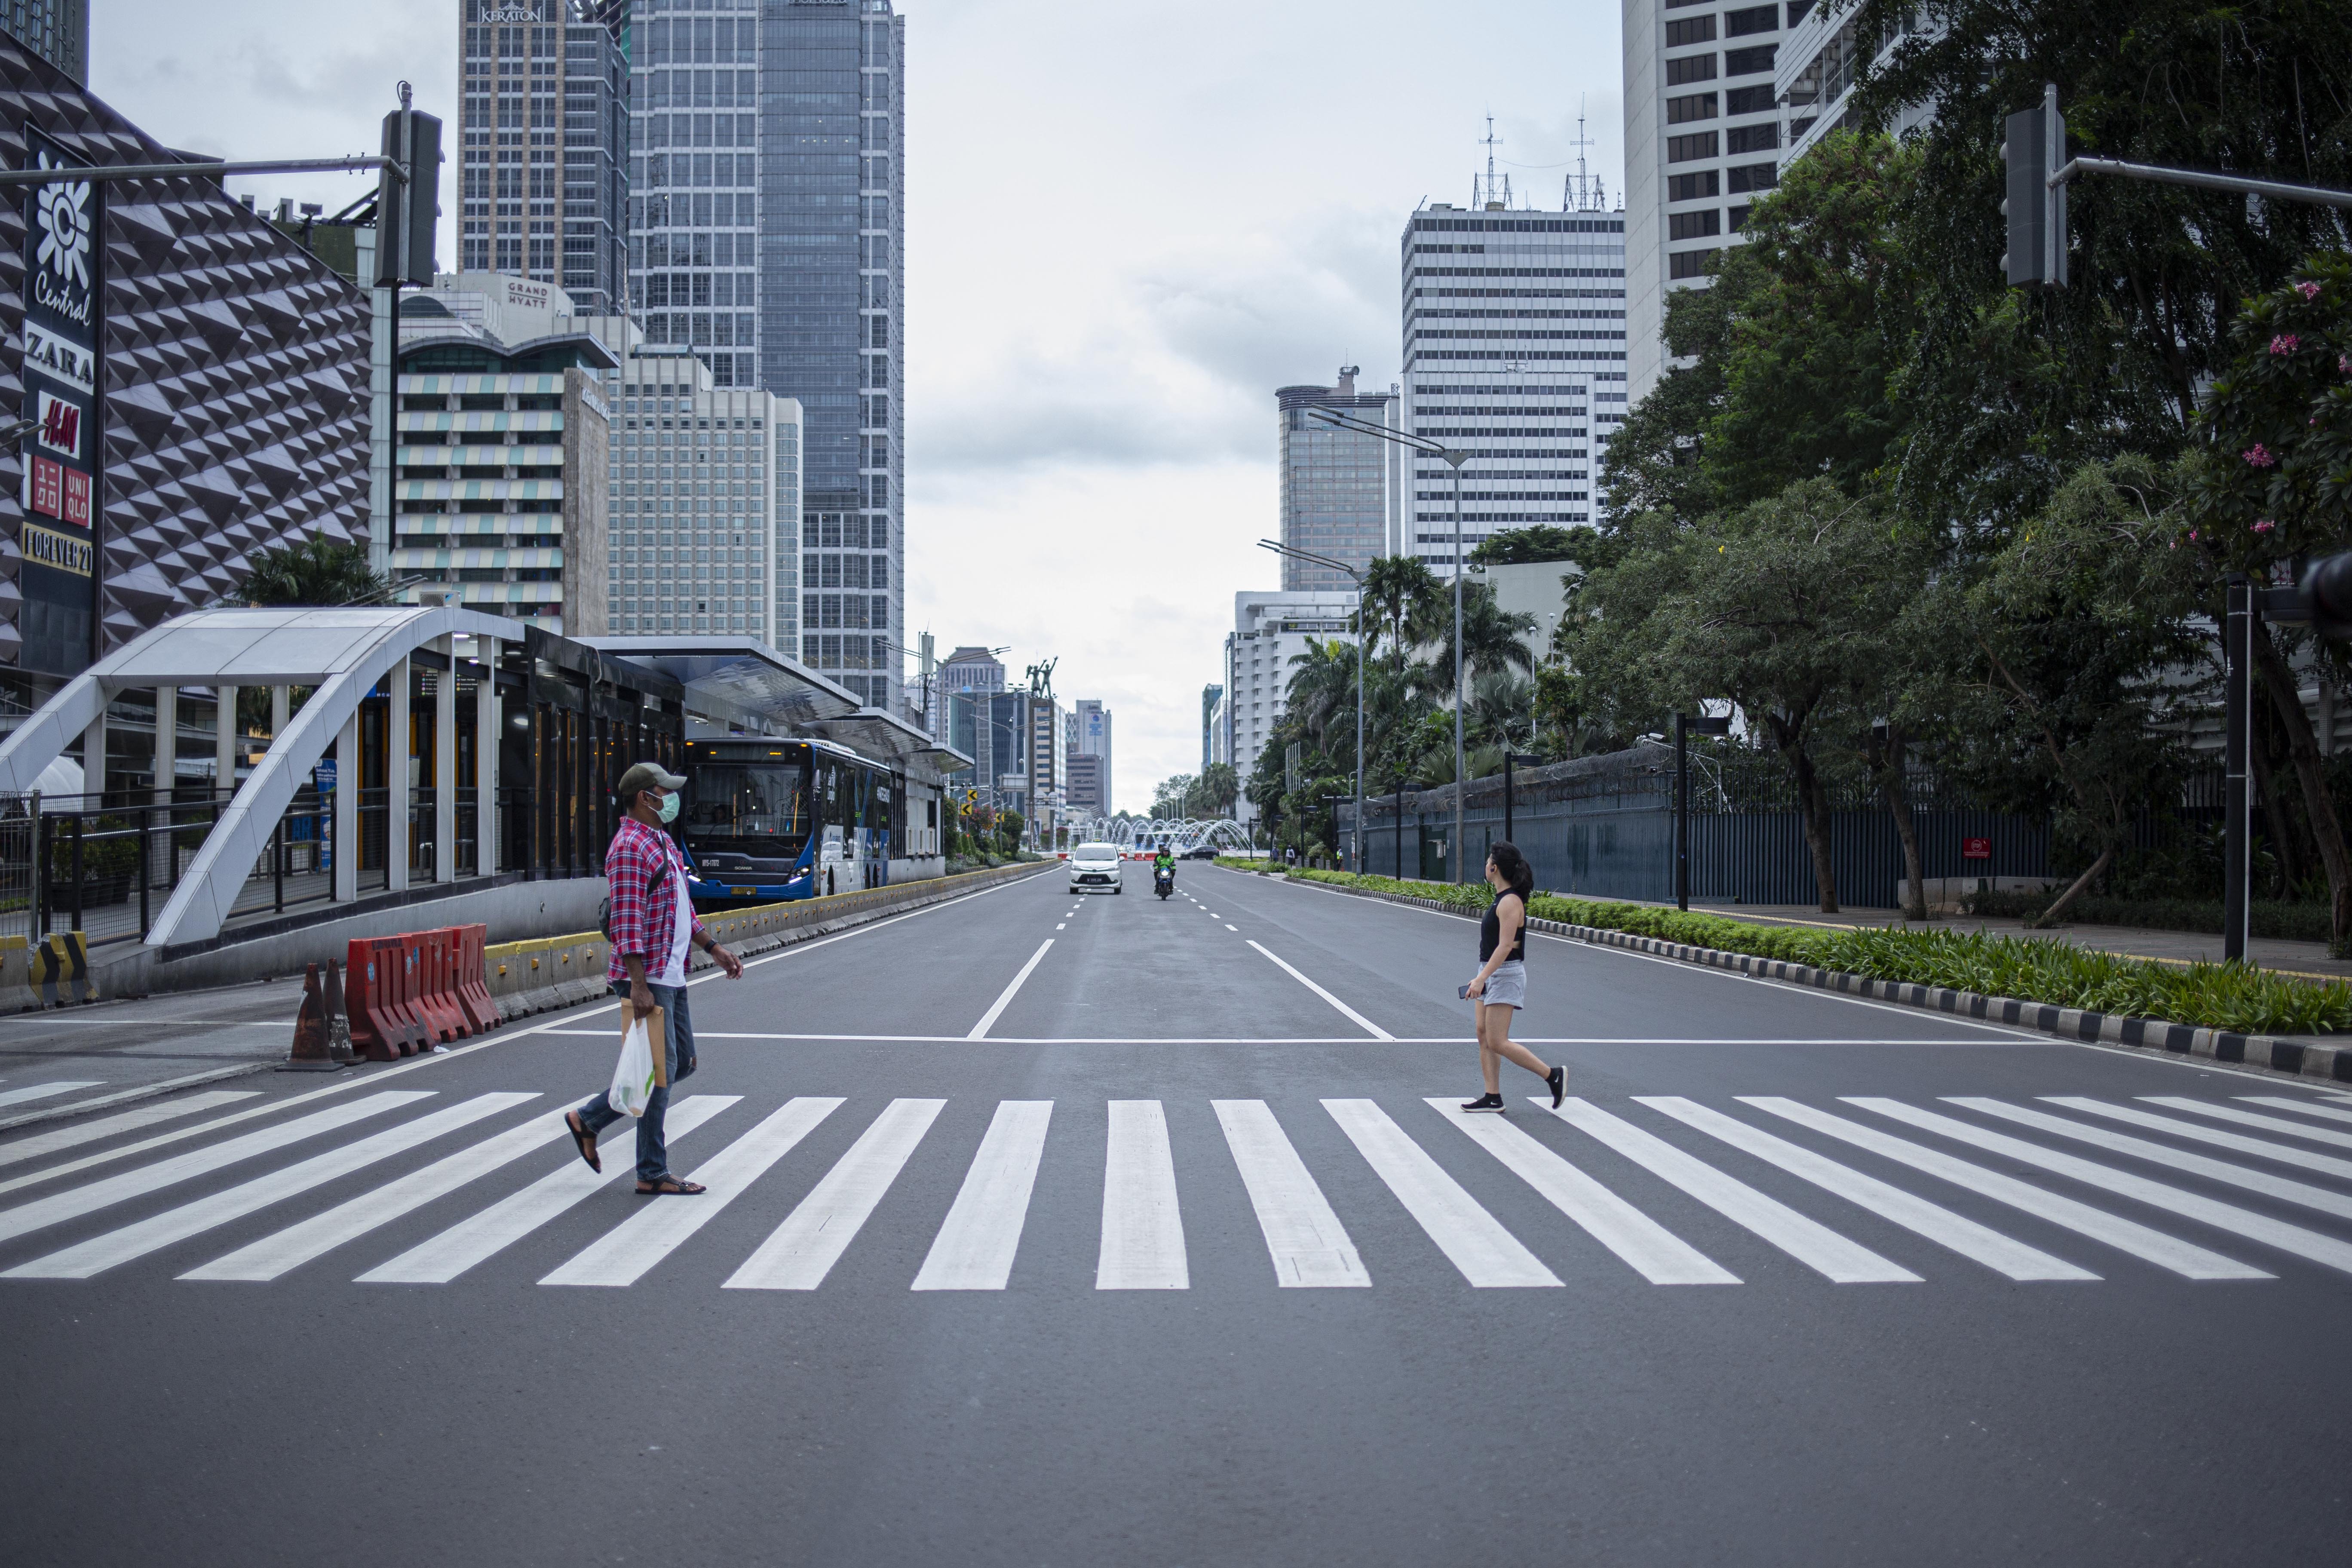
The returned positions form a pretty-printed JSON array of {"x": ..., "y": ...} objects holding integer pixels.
[{"x": 1465, "y": 992}]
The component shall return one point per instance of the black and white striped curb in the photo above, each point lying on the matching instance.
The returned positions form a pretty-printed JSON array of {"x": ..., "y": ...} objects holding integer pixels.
[{"x": 2292, "y": 1057}]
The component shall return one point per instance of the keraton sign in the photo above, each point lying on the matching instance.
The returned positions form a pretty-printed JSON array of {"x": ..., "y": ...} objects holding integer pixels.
[{"x": 509, "y": 14}]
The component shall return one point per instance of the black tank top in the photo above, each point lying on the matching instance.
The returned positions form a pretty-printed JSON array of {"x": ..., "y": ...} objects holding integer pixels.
[{"x": 1490, "y": 930}]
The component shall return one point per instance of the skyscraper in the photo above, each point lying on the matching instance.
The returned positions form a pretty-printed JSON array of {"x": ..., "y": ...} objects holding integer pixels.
[
  {"x": 1090, "y": 737},
  {"x": 1514, "y": 351},
  {"x": 1341, "y": 488},
  {"x": 57, "y": 31},
  {"x": 543, "y": 143},
  {"x": 767, "y": 235},
  {"x": 1702, "y": 130}
]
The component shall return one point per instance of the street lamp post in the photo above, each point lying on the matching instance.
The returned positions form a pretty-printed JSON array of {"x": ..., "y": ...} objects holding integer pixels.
[
  {"x": 1357, "y": 579},
  {"x": 1455, "y": 458}
]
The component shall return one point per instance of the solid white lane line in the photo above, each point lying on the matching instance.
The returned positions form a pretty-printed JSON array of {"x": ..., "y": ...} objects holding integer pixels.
[
  {"x": 1980, "y": 1243},
  {"x": 1004, "y": 1000},
  {"x": 1309, "y": 1245},
  {"x": 81, "y": 1132},
  {"x": 2307, "y": 1108},
  {"x": 2128, "y": 1235},
  {"x": 2240, "y": 1222},
  {"x": 975, "y": 1246},
  {"x": 2285, "y": 1153},
  {"x": 158, "y": 1231},
  {"x": 44, "y": 1090},
  {"x": 138, "y": 1184},
  {"x": 799, "y": 1253},
  {"x": 627, "y": 1252},
  {"x": 322, "y": 1233},
  {"x": 1655, "y": 1252},
  {"x": 2262, "y": 1182},
  {"x": 1474, "y": 1241},
  {"x": 1810, "y": 1243},
  {"x": 441, "y": 1259},
  {"x": 1352, "y": 1016},
  {"x": 1142, "y": 1231}
]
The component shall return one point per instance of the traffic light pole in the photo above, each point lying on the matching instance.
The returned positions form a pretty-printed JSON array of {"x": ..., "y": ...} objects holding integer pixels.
[{"x": 2237, "y": 656}]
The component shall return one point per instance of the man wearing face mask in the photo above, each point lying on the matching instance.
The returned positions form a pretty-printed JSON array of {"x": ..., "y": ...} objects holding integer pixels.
[{"x": 653, "y": 928}]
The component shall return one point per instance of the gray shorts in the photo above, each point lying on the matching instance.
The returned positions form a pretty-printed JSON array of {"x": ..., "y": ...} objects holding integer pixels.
[{"x": 1507, "y": 986}]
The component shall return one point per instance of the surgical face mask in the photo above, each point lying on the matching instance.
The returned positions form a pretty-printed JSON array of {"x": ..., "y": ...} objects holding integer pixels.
[{"x": 669, "y": 806}]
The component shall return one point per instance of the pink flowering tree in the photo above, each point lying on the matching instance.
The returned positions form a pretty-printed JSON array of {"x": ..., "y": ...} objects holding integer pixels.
[{"x": 2271, "y": 485}]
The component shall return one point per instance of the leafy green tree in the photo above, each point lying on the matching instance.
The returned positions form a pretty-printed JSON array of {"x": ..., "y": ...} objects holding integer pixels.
[
  {"x": 1537, "y": 541},
  {"x": 1219, "y": 788},
  {"x": 1491, "y": 638},
  {"x": 1652, "y": 464},
  {"x": 316, "y": 571}
]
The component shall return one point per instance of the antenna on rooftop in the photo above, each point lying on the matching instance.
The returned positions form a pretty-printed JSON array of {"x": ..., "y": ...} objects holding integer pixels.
[
  {"x": 1584, "y": 193},
  {"x": 1490, "y": 198}
]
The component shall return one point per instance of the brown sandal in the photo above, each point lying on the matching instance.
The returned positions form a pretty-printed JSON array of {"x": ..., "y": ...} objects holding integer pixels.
[
  {"x": 670, "y": 1186},
  {"x": 584, "y": 1139}
]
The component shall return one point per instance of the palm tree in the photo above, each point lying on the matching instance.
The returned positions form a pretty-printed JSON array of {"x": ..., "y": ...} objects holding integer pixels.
[
  {"x": 1322, "y": 691},
  {"x": 1502, "y": 708},
  {"x": 1490, "y": 638},
  {"x": 1401, "y": 595},
  {"x": 317, "y": 571}
]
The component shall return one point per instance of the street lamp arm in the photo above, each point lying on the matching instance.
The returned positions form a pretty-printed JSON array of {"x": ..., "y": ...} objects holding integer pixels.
[
  {"x": 1298, "y": 554},
  {"x": 357, "y": 163},
  {"x": 1364, "y": 426}
]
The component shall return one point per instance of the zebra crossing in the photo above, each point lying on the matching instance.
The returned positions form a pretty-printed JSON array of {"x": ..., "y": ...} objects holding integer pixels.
[{"x": 1671, "y": 1189}]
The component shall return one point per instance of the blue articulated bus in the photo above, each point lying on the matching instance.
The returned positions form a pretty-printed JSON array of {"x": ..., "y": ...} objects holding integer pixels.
[{"x": 770, "y": 820}]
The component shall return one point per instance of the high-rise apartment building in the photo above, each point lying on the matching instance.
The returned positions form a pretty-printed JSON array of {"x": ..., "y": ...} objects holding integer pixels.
[
  {"x": 1089, "y": 729},
  {"x": 1269, "y": 629},
  {"x": 1514, "y": 352},
  {"x": 1212, "y": 698},
  {"x": 1820, "y": 57},
  {"x": 1703, "y": 136},
  {"x": 767, "y": 236},
  {"x": 1342, "y": 489},
  {"x": 542, "y": 145},
  {"x": 57, "y": 31}
]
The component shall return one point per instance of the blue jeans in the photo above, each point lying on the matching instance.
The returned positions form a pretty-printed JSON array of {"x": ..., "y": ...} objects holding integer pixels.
[{"x": 653, "y": 1152}]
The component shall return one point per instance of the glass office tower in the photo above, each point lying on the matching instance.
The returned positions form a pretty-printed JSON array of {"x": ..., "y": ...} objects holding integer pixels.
[{"x": 768, "y": 231}]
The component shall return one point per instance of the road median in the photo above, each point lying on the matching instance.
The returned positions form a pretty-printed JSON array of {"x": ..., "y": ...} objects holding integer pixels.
[{"x": 2225, "y": 1013}]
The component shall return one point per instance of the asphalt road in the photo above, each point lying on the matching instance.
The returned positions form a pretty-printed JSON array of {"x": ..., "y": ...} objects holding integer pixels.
[{"x": 1160, "y": 1255}]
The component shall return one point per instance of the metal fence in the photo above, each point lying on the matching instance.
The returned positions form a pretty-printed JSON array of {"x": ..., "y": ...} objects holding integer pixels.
[{"x": 1603, "y": 827}]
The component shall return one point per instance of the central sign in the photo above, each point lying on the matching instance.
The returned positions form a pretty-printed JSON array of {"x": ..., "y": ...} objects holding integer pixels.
[{"x": 61, "y": 483}]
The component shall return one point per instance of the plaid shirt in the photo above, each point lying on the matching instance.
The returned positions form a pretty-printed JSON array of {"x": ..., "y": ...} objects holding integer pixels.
[{"x": 643, "y": 924}]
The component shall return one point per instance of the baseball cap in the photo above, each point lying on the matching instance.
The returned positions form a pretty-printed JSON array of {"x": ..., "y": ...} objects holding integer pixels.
[{"x": 643, "y": 776}]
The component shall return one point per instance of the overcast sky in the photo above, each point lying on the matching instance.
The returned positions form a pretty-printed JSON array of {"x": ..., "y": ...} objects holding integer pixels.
[{"x": 1127, "y": 226}]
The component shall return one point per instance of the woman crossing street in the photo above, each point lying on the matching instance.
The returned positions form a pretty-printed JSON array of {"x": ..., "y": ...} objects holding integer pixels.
[{"x": 1500, "y": 987}]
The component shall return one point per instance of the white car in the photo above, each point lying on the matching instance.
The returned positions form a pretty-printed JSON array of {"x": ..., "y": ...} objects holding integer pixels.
[{"x": 1094, "y": 869}]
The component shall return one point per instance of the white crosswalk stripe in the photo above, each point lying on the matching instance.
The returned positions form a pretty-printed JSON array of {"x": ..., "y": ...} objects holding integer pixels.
[
  {"x": 2250, "y": 1119},
  {"x": 1475, "y": 1243},
  {"x": 802, "y": 1250},
  {"x": 2132, "y": 1116},
  {"x": 133, "y": 1241},
  {"x": 2291, "y": 1238},
  {"x": 2128, "y": 1235},
  {"x": 42, "y": 1144},
  {"x": 1655, "y": 1252},
  {"x": 1142, "y": 1229},
  {"x": 975, "y": 1246},
  {"x": 320, "y": 1234},
  {"x": 1807, "y": 1241},
  {"x": 624, "y": 1254},
  {"x": 1309, "y": 1246},
  {"x": 1938, "y": 1224},
  {"x": 2262, "y": 1182},
  {"x": 441, "y": 1259},
  {"x": 44, "y": 1090},
  {"x": 2333, "y": 1113},
  {"x": 1142, "y": 1241},
  {"x": 72, "y": 1205}
]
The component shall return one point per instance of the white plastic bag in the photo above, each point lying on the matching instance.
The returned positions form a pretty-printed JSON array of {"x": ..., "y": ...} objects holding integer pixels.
[{"x": 633, "y": 1076}]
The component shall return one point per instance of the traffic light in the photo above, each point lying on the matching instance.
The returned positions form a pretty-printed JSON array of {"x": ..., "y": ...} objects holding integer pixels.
[
  {"x": 2035, "y": 149},
  {"x": 406, "y": 211}
]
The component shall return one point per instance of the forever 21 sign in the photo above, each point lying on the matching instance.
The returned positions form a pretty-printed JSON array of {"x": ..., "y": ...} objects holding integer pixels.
[{"x": 59, "y": 541}]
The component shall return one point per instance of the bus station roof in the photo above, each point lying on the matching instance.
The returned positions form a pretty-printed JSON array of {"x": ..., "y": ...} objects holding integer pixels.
[{"x": 737, "y": 683}]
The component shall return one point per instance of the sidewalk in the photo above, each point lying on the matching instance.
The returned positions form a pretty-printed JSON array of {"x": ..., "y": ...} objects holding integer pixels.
[{"x": 2306, "y": 959}]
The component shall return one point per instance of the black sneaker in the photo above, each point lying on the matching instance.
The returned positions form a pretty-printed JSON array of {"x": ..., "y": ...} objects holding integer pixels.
[
  {"x": 1557, "y": 1079},
  {"x": 1484, "y": 1102}
]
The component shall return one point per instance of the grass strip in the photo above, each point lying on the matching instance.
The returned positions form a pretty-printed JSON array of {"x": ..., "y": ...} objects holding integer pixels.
[{"x": 2234, "y": 996}]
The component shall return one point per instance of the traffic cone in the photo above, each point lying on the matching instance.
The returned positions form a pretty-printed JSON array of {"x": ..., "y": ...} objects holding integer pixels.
[
  {"x": 309, "y": 1053},
  {"x": 339, "y": 1023}
]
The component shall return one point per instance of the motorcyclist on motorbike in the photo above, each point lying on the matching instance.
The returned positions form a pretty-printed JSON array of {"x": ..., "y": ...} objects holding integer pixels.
[{"x": 1164, "y": 860}]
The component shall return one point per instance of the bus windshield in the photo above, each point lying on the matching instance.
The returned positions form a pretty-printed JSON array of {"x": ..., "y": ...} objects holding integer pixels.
[{"x": 755, "y": 809}]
